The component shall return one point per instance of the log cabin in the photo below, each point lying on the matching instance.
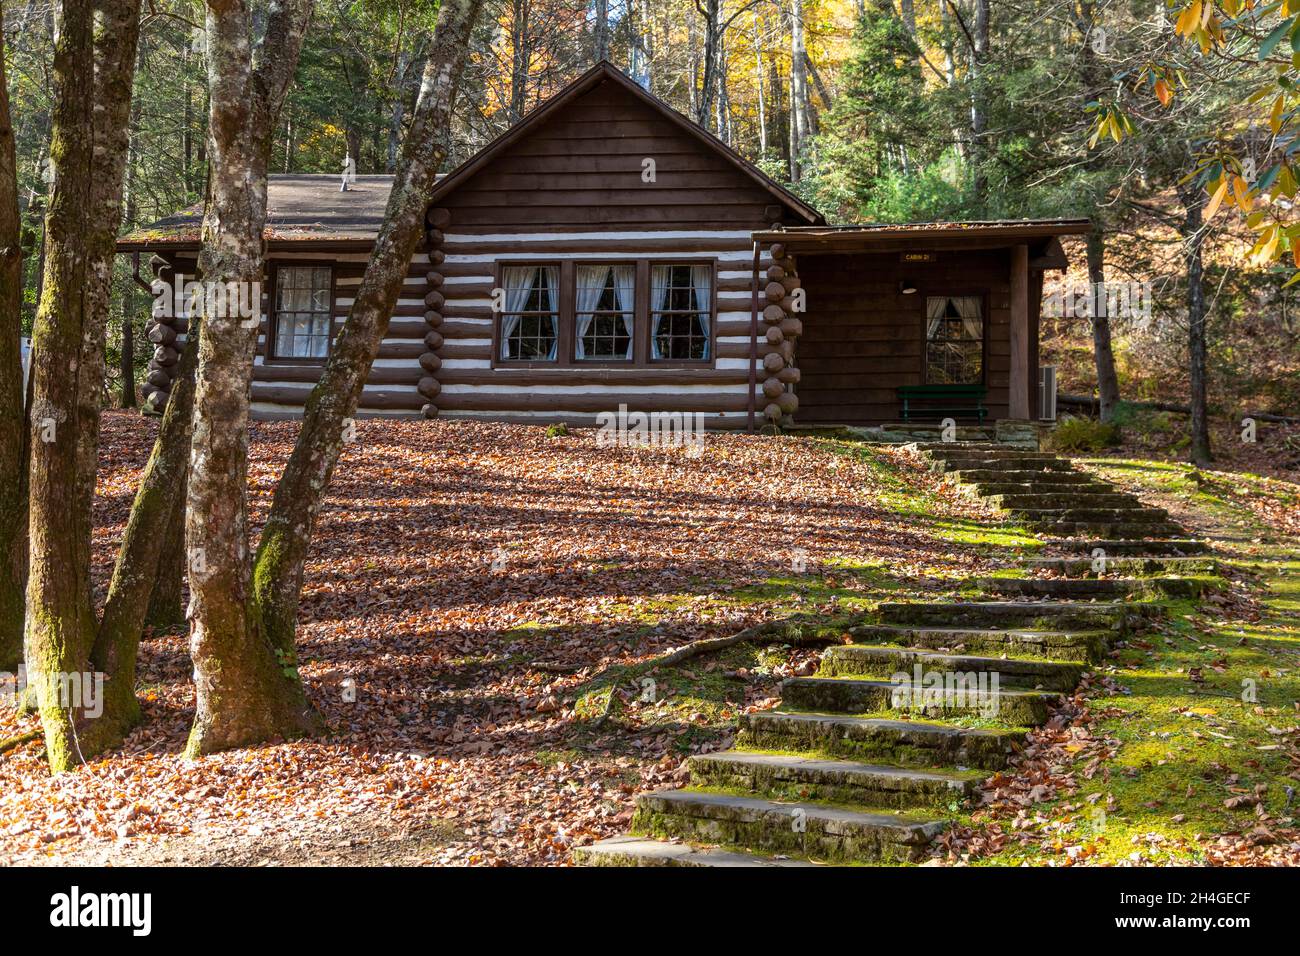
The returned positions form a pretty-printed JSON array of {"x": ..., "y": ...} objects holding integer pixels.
[{"x": 606, "y": 252}]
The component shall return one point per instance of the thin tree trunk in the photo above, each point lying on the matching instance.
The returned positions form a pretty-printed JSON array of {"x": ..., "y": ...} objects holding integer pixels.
[
  {"x": 710, "y": 10},
  {"x": 13, "y": 433},
  {"x": 978, "y": 107},
  {"x": 92, "y": 100},
  {"x": 758, "y": 79},
  {"x": 158, "y": 506},
  {"x": 244, "y": 694},
  {"x": 1102, "y": 351},
  {"x": 1193, "y": 237},
  {"x": 166, "y": 602},
  {"x": 799, "y": 126},
  {"x": 601, "y": 44},
  {"x": 282, "y": 551}
]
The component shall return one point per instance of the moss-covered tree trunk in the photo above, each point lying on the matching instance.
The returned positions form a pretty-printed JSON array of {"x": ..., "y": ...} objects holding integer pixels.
[
  {"x": 93, "y": 58},
  {"x": 282, "y": 552},
  {"x": 245, "y": 692},
  {"x": 1103, "y": 351},
  {"x": 13, "y": 432},
  {"x": 167, "y": 602},
  {"x": 158, "y": 500},
  {"x": 1193, "y": 234}
]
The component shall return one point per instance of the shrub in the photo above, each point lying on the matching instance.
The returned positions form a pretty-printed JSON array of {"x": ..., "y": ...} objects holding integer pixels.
[
  {"x": 558, "y": 430},
  {"x": 1084, "y": 434}
]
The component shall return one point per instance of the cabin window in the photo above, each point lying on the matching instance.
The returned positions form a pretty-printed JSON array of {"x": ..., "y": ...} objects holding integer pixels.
[
  {"x": 681, "y": 299},
  {"x": 954, "y": 340},
  {"x": 303, "y": 312},
  {"x": 605, "y": 306},
  {"x": 530, "y": 321}
]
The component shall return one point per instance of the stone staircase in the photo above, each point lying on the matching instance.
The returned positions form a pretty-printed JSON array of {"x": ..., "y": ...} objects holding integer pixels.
[{"x": 866, "y": 761}]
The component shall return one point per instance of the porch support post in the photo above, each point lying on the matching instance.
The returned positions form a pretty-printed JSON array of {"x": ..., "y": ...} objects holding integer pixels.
[{"x": 1018, "y": 401}]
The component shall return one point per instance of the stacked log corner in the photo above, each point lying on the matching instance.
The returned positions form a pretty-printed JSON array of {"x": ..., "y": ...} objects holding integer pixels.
[
  {"x": 166, "y": 330},
  {"x": 782, "y": 330},
  {"x": 436, "y": 221}
]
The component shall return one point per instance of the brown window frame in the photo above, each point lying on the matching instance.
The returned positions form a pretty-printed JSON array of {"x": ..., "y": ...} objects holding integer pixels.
[
  {"x": 925, "y": 294},
  {"x": 272, "y": 316},
  {"x": 566, "y": 353}
]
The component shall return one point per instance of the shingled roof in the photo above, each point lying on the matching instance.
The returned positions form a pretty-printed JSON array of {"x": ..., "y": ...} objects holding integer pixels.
[{"x": 299, "y": 206}]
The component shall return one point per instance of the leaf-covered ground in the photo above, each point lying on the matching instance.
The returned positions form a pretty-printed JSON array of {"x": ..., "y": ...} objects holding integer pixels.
[{"x": 470, "y": 586}]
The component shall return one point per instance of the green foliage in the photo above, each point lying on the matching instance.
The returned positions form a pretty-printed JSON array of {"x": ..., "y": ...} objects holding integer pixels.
[
  {"x": 1085, "y": 434},
  {"x": 558, "y": 430}
]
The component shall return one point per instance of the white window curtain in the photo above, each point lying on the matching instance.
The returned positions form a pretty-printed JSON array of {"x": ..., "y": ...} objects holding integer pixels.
[
  {"x": 970, "y": 308},
  {"x": 935, "y": 307},
  {"x": 625, "y": 284},
  {"x": 659, "y": 277},
  {"x": 702, "y": 281},
  {"x": 553, "y": 304},
  {"x": 591, "y": 285},
  {"x": 520, "y": 282}
]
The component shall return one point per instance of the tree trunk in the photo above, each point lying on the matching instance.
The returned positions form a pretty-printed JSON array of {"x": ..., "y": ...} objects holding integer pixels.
[
  {"x": 282, "y": 551},
  {"x": 799, "y": 130},
  {"x": 166, "y": 602},
  {"x": 978, "y": 108},
  {"x": 156, "y": 511},
  {"x": 601, "y": 38},
  {"x": 520, "y": 59},
  {"x": 244, "y": 694},
  {"x": 13, "y": 432},
  {"x": 710, "y": 10},
  {"x": 758, "y": 79},
  {"x": 92, "y": 100},
  {"x": 1103, "y": 353},
  {"x": 1193, "y": 237}
]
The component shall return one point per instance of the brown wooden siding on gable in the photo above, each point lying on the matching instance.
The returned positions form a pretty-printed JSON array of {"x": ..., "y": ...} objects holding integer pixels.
[
  {"x": 863, "y": 337},
  {"x": 582, "y": 169}
]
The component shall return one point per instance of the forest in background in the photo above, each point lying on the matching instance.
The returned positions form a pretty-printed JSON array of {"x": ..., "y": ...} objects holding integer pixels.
[{"x": 876, "y": 110}]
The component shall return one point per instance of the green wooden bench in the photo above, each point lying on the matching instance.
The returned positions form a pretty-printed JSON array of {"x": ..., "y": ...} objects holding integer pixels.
[{"x": 947, "y": 400}]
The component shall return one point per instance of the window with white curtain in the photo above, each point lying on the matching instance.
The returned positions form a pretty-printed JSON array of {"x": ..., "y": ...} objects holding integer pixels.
[
  {"x": 531, "y": 318},
  {"x": 681, "y": 306},
  {"x": 605, "y": 306},
  {"x": 954, "y": 340},
  {"x": 303, "y": 312}
]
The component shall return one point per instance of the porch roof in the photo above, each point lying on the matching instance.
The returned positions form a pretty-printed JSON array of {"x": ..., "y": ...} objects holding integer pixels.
[{"x": 893, "y": 237}]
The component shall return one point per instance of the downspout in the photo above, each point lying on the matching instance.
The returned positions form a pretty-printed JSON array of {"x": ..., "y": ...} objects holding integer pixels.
[
  {"x": 135, "y": 274},
  {"x": 753, "y": 335}
]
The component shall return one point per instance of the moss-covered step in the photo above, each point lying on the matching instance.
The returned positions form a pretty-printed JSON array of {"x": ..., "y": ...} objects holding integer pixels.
[
  {"x": 865, "y": 660},
  {"x": 1126, "y": 529},
  {"x": 958, "y": 695},
  {"x": 1175, "y": 546},
  {"x": 978, "y": 462},
  {"x": 906, "y": 743},
  {"x": 640, "y": 851},
  {"x": 1038, "y": 502},
  {"x": 798, "y": 777},
  {"x": 1153, "y": 588},
  {"x": 1126, "y": 514},
  {"x": 806, "y": 830},
  {"x": 1137, "y": 566},
  {"x": 1054, "y": 644},
  {"x": 975, "y": 476},
  {"x": 1024, "y": 615},
  {"x": 1045, "y": 486}
]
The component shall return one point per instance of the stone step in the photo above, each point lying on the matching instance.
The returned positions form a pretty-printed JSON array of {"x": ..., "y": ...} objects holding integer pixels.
[
  {"x": 1054, "y": 644},
  {"x": 991, "y": 489},
  {"x": 941, "y": 446},
  {"x": 1165, "y": 547},
  {"x": 1024, "y": 615},
  {"x": 796, "y": 777},
  {"x": 907, "y": 743},
  {"x": 1057, "y": 501},
  {"x": 954, "y": 697},
  {"x": 1094, "y": 588},
  {"x": 1131, "y": 530},
  {"x": 941, "y": 450},
  {"x": 1057, "y": 476},
  {"x": 867, "y": 660},
  {"x": 1134, "y": 513},
  {"x": 639, "y": 851},
  {"x": 1000, "y": 466},
  {"x": 1140, "y": 565},
  {"x": 807, "y": 830}
]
